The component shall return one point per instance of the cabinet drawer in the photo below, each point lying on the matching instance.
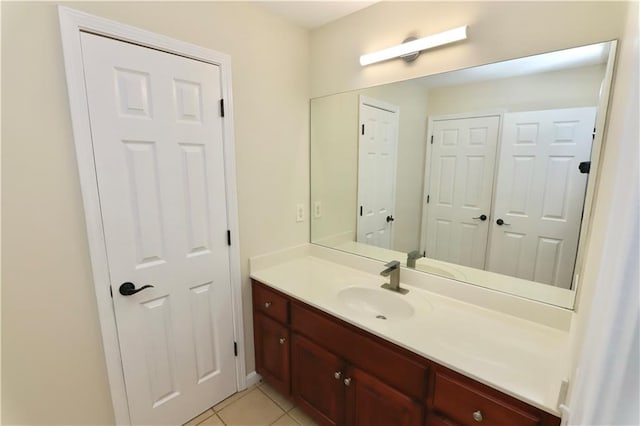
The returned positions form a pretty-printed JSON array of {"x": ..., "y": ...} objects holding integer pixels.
[
  {"x": 382, "y": 361},
  {"x": 270, "y": 302},
  {"x": 459, "y": 400}
]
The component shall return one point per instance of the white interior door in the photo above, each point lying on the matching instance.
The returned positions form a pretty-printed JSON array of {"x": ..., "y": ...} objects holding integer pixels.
[
  {"x": 157, "y": 138},
  {"x": 377, "y": 153},
  {"x": 460, "y": 188},
  {"x": 540, "y": 194}
]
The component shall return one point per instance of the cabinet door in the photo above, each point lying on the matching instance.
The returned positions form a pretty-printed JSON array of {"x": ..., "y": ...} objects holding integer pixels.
[
  {"x": 317, "y": 381},
  {"x": 435, "y": 420},
  {"x": 371, "y": 402},
  {"x": 272, "y": 352}
]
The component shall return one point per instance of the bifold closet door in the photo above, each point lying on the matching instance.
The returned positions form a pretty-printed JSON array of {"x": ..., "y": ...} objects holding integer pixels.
[
  {"x": 462, "y": 168},
  {"x": 540, "y": 194}
]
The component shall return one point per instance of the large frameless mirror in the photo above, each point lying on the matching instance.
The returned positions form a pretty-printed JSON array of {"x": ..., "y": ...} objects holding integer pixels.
[{"x": 483, "y": 175}]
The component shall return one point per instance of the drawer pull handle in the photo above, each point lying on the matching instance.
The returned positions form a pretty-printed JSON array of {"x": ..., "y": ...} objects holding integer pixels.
[
  {"x": 337, "y": 375},
  {"x": 267, "y": 305},
  {"x": 347, "y": 381},
  {"x": 477, "y": 416},
  {"x": 282, "y": 340}
]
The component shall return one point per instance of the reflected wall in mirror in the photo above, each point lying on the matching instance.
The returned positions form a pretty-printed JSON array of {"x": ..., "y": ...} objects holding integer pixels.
[{"x": 479, "y": 175}]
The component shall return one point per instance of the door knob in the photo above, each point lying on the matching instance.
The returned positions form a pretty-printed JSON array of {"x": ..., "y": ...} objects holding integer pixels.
[
  {"x": 482, "y": 217},
  {"x": 390, "y": 218},
  {"x": 347, "y": 381},
  {"x": 128, "y": 289},
  {"x": 501, "y": 222},
  {"x": 337, "y": 375},
  {"x": 282, "y": 340}
]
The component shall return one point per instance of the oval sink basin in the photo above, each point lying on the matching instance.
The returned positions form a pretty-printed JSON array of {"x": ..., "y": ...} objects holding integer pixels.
[{"x": 376, "y": 303}]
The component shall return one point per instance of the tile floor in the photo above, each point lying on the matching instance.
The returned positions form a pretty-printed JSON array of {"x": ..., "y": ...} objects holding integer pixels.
[{"x": 259, "y": 405}]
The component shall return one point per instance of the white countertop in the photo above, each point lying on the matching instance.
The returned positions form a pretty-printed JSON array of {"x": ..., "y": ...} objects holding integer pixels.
[{"x": 518, "y": 357}]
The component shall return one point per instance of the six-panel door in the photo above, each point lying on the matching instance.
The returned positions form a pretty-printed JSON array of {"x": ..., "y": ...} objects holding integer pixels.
[{"x": 157, "y": 138}]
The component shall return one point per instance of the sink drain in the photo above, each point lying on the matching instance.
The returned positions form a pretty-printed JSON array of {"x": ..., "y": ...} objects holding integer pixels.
[{"x": 381, "y": 317}]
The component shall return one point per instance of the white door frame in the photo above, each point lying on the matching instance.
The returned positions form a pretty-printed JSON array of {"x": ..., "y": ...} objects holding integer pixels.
[
  {"x": 427, "y": 162},
  {"x": 72, "y": 22}
]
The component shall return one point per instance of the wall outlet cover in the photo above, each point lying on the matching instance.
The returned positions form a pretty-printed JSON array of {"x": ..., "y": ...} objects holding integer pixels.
[{"x": 300, "y": 213}]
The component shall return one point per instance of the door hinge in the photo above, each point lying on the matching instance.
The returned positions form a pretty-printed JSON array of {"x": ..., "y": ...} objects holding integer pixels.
[
  {"x": 428, "y": 196},
  {"x": 111, "y": 291},
  {"x": 235, "y": 348},
  {"x": 360, "y": 210},
  {"x": 228, "y": 237},
  {"x": 362, "y": 129},
  {"x": 424, "y": 253},
  {"x": 431, "y": 139},
  {"x": 221, "y": 107}
]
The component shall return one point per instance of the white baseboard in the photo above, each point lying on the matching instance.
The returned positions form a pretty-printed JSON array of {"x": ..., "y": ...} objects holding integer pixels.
[{"x": 253, "y": 378}]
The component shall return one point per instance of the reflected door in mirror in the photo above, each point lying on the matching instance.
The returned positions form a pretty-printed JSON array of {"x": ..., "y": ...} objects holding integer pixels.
[
  {"x": 377, "y": 152},
  {"x": 540, "y": 194},
  {"x": 463, "y": 152}
]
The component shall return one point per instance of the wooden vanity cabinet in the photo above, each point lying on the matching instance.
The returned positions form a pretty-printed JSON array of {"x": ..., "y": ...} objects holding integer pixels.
[
  {"x": 336, "y": 393},
  {"x": 342, "y": 375}
]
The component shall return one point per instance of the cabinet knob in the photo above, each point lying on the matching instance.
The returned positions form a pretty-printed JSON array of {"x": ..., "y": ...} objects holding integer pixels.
[
  {"x": 282, "y": 340},
  {"x": 337, "y": 375},
  {"x": 347, "y": 381},
  {"x": 267, "y": 305},
  {"x": 477, "y": 416}
]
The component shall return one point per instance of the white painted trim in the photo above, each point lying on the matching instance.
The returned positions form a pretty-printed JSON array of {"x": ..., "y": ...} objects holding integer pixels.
[{"x": 72, "y": 22}]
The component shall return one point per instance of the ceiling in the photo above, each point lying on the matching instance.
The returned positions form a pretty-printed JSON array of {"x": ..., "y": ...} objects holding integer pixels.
[{"x": 313, "y": 14}]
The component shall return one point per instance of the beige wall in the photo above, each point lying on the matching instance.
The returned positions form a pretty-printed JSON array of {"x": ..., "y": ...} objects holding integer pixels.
[
  {"x": 334, "y": 165},
  {"x": 53, "y": 369},
  {"x": 497, "y": 31},
  {"x": 577, "y": 87}
]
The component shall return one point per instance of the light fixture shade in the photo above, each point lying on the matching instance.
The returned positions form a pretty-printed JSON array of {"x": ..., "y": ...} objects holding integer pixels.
[{"x": 414, "y": 46}]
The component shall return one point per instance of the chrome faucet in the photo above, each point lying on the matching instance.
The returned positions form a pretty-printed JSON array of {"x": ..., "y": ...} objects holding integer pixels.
[{"x": 393, "y": 272}]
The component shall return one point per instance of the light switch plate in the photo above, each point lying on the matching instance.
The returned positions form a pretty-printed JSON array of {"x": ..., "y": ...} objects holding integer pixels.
[
  {"x": 317, "y": 210},
  {"x": 300, "y": 213}
]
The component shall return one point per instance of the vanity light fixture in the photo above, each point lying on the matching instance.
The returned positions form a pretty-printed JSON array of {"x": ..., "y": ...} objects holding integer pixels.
[{"x": 411, "y": 48}]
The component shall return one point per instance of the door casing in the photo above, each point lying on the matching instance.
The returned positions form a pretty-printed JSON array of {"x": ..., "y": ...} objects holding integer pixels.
[{"x": 72, "y": 22}]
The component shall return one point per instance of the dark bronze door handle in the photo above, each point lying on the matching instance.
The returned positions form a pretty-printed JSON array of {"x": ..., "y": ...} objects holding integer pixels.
[{"x": 128, "y": 289}]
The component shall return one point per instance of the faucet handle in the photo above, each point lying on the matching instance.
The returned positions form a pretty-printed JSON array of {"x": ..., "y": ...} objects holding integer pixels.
[{"x": 393, "y": 264}]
